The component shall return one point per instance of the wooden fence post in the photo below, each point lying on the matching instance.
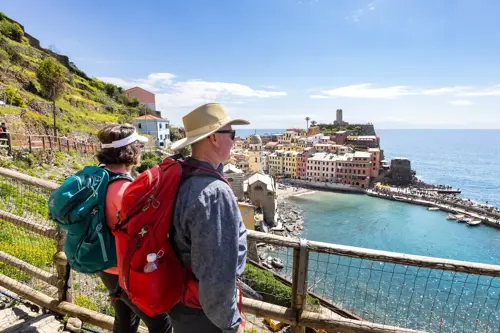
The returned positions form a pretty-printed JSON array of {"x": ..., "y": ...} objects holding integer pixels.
[
  {"x": 50, "y": 142},
  {"x": 9, "y": 143},
  {"x": 59, "y": 143},
  {"x": 30, "y": 145},
  {"x": 60, "y": 260},
  {"x": 299, "y": 282},
  {"x": 43, "y": 143},
  {"x": 76, "y": 145},
  {"x": 67, "y": 143}
]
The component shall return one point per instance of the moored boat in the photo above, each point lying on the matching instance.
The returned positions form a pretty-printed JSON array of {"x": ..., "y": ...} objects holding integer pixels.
[
  {"x": 433, "y": 209},
  {"x": 451, "y": 217},
  {"x": 474, "y": 222}
]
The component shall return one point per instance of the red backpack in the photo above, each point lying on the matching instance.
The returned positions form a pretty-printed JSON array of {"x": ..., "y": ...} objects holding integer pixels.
[{"x": 144, "y": 225}]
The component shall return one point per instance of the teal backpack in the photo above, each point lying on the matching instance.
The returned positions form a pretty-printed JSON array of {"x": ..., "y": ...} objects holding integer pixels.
[{"x": 78, "y": 206}]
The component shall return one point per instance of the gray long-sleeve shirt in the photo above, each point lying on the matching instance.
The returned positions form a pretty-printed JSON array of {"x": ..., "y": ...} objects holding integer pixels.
[{"x": 208, "y": 234}]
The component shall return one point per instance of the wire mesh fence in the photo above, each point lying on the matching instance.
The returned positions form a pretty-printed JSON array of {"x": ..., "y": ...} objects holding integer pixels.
[
  {"x": 405, "y": 296},
  {"x": 30, "y": 203}
]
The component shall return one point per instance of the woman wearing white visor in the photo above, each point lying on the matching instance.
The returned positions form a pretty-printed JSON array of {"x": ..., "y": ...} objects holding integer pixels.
[{"x": 121, "y": 150}]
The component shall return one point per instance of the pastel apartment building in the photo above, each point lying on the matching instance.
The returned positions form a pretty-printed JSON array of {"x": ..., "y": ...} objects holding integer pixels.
[
  {"x": 376, "y": 161},
  {"x": 302, "y": 158},
  {"x": 155, "y": 126},
  {"x": 320, "y": 167},
  {"x": 275, "y": 163},
  {"x": 290, "y": 164},
  {"x": 354, "y": 169}
]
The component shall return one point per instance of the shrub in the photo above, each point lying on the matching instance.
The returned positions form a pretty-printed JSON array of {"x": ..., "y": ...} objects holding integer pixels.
[
  {"x": 4, "y": 56},
  {"x": 134, "y": 102},
  {"x": 273, "y": 291},
  {"x": 52, "y": 77},
  {"x": 11, "y": 30},
  {"x": 14, "y": 98}
]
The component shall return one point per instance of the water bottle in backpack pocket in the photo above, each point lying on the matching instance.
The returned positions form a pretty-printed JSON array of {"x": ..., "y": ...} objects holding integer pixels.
[{"x": 78, "y": 206}]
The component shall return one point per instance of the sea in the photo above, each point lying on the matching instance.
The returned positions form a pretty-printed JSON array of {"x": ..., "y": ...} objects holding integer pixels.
[{"x": 417, "y": 298}]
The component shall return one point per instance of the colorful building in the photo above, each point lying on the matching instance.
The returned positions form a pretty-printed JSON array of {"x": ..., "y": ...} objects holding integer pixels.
[
  {"x": 376, "y": 161},
  {"x": 247, "y": 213},
  {"x": 302, "y": 158},
  {"x": 321, "y": 167},
  {"x": 290, "y": 164},
  {"x": 157, "y": 127},
  {"x": 354, "y": 169},
  {"x": 275, "y": 163}
]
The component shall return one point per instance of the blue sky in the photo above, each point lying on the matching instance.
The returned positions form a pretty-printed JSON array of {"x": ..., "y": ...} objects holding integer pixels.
[{"x": 396, "y": 63}]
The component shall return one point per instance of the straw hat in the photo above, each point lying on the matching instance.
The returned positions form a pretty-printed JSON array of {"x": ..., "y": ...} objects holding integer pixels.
[{"x": 204, "y": 121}]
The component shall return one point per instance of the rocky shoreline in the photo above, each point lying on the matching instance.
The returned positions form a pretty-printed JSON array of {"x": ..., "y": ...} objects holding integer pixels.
[{"x": 290, "y": 220}]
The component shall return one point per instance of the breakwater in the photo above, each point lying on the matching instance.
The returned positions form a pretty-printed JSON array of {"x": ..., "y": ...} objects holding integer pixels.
[{"x": 489, "y": 218}]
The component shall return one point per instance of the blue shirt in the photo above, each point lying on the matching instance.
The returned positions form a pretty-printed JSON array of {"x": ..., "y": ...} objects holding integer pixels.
[{"x": 208, "y": 234}]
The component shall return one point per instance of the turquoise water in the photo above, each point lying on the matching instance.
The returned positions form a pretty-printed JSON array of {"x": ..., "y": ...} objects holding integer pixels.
[{"x": 425, "y": 299}]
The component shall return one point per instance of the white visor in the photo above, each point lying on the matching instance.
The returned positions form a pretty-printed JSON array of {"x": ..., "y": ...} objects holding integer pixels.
[{"x": 125, "y": 141}]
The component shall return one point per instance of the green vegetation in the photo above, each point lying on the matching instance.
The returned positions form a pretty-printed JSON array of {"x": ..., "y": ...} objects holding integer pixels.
[
  {"x": 10, "y": 29},
  {"x": 33, "y": 74},
  {"x": 14, "y": 98},
  {"x": 273, "y": 291},
  {"x": 148, "y": 160},
  {"x": 52, "y": 76},
  {"x": 18, "y": 242},
  {"x": 85, "y": 302}
]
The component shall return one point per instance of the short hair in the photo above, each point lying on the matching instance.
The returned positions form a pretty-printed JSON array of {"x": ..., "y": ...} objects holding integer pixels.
[{"x": 128, "y": 155}]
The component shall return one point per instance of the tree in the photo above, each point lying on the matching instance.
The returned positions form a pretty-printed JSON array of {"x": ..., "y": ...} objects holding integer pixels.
[
  {"x": 52, "y": 77},
  {"x": 313, "y": 123},
  {"x": 307, "y": 121}
]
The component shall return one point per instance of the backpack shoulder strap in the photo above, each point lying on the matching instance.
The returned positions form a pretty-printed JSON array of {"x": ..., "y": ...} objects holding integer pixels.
[{"x": 189, "y": 171}]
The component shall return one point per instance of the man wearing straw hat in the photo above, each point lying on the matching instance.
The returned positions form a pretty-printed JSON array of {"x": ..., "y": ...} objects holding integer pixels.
[{"x": 208, "y": 233}]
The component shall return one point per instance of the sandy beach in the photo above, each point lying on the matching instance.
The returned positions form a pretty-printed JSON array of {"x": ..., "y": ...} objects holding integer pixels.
[{"x": 285, "y": 191}]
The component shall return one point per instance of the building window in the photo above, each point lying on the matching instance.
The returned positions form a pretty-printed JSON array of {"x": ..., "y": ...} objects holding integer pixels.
[
  {"x": 161, "y": 125},
  {"x": 140, "y": 126}
]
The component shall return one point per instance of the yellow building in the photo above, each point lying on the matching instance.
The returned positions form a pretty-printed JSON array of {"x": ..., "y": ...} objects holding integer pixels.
[
  {"x": 290, "y": 163},
  {"x": 275, "y": 163},
  {"x": 247, "y": 213}
]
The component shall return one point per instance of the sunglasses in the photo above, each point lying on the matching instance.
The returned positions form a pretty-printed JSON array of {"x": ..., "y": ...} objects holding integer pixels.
[{"x": 232, "y": 132}]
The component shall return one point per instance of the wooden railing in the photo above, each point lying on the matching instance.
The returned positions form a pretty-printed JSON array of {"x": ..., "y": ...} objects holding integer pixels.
[
  {"x": 307, "y": 261},
  {"x": 15, "y": 141}
]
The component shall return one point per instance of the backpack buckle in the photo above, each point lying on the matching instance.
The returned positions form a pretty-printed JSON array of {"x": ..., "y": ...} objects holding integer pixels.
[{"x": 143, "y": 231}]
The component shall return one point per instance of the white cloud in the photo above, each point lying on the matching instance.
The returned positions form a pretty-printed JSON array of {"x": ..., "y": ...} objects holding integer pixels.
[
  {"x": 461, "y": 102},
  {"x": 493, "y": 91},
  {"x": 318, "y": 96},
  {"x": 154, "y": 82},
  {"x": 368, "y": 90},
  {"x": 173, "y": 94},
  {"x": 357, "y": 14},
  {"x": 445, "y": 90}
]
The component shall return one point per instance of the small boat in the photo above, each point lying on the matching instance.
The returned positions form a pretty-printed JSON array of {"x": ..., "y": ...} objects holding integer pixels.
[
  {"x": 399, "y": 198},
  {"x": 433, "y": 209},
  {"x": 459, "y": 216},
  {"x": 451, "y": 217},
  {"x": 474, "y": 223}
]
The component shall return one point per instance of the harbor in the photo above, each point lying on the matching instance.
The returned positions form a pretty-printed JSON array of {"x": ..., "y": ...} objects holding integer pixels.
[{"x": 471, "y": 215}]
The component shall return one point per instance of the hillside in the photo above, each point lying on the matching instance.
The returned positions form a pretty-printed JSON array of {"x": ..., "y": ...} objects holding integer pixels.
[{"x": 85, "y": 103}]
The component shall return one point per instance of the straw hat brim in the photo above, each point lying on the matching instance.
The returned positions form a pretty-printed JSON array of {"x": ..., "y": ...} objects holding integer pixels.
[{"x": 179, "y": 144}]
